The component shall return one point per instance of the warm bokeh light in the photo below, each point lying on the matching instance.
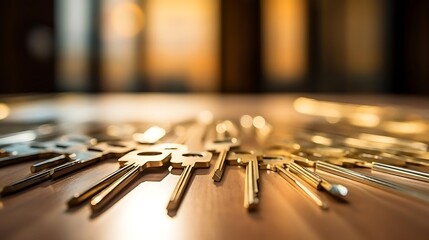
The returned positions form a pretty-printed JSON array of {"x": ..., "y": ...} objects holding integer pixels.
[
  {"x": 259, "y": 122},
  {"x": 285, "y": 39},
  {"x": 364, "y": 119},
  {"x": 181, "y": 51},
  {"x": 406, "y": 127},
  {"x": 318, "y": 108},
  {"x": 124, "y": 19},
  {"x": 123, "y": 24},
  {"x": 246, "y": 121},
  {"x": 394, "y": 141},
  {"x": 150, "y": 136},
  {"x": 364, "y": 35},
  {"x": 4, "y": 111},
  {"x": 321, "y": 140}
]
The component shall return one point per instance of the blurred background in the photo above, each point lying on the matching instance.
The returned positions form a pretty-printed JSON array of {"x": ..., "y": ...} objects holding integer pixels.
[{"x": 219, "y": 46}]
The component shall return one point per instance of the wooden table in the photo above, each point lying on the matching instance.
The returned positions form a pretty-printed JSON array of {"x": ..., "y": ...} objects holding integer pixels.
[{"x": 209, "y": 211}]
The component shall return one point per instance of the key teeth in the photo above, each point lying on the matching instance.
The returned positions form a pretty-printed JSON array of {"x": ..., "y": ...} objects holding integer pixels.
[
  {"x": 6, "y": 190},
  {"x": 253, "y": 206},
  {"x": 172, "y": 206},
  {"x": 217, "y": 176},
  {"x": 324, "y": 206}
]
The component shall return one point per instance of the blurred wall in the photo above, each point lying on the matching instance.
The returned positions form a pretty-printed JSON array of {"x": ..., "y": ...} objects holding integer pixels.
[{"x": 347, "y": 46}]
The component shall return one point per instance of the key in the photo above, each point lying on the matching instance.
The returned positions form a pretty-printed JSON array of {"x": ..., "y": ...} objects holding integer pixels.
[
  {"x": 277, "y": 164},
  {"x": 382, "y": 162},
  {"x": 222, "y": 146},
  {"x": 372, "y": 181},
  {"x": 82, "y": 159},
  {"x": 336, "y": 190},
  {"x": 66, "y": 149},
  {"x": 79, "y": 198},
  {"x": 137, "y": 161},
  {"x": 251, "y": 189},
  {"x": 41, "y": 150},
  {"x": 48, "y": 174},
  {"x": 189, "y": 161}
]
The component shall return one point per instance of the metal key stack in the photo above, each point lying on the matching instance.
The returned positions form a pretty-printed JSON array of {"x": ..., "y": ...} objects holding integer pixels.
[{"x": 301, "y": 156}]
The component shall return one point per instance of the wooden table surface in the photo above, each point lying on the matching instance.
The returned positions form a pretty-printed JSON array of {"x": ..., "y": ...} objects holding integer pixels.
[{"x": 208, "y": 211}]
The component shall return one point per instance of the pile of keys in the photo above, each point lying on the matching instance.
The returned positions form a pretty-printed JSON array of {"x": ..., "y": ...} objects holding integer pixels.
[{"x": 297, "y": 157}]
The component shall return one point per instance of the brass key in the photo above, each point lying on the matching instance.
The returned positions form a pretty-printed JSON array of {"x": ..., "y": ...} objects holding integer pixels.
[
  {"x": 79, "y": 198},
  {"x": 222, "y": 146},
  {"x": 336, "y": 190},
  {"x": 277, "y": 164},
  {"x": 139, "y": 161},
  {"x": 189, "y": 161},
  {"x": 251, "y": 189}
]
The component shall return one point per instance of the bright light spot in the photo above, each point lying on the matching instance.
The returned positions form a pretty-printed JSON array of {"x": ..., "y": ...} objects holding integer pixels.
[
  {"x": 4, "y": 111},
  {"x": 221, "y": 128},
  {"x": 152, "y": 135},
  {"x": 304, "y": 105},
  {"x": 321, "y": 140},
  {"x": 246, "y": 121},
  {"x": 364, "y": 119},
  {"x": 125, "y": 19},
  {"x": 332, "y": 120},
  {"x": 259, "y": 122},
  {"x": 410, "y": 127}
]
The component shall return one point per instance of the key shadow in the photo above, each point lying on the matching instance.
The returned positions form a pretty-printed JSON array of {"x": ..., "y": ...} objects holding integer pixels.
[{"x": 149, "y": 175}]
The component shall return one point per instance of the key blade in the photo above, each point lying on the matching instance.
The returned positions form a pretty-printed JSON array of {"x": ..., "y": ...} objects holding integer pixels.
[
  {"x": 83, "y": 159},
  {"x": 106, "y": 195},
  {"x": 220, "y": 166},
  {"x": 298, "y": 185},
  {"x": 51, "y": 162},
  {"x": 79, "y": 198},
  {"x": 24, "y": 183},
  {"x": 373, "y": 181},
  {"x": 179, "y": 190}
]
